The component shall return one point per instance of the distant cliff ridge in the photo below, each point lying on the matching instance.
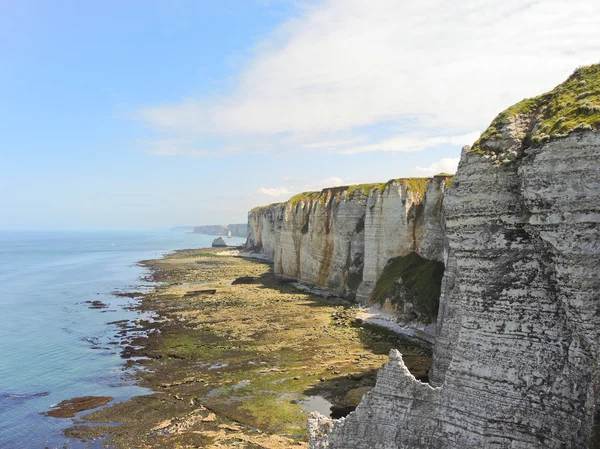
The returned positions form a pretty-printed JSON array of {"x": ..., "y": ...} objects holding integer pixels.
[
  {"x": 237, "y": 230},
  {"x": 182, "y": 228},
  {"x": 346, "y": 239},
  {"x": 518, "y": 332}
]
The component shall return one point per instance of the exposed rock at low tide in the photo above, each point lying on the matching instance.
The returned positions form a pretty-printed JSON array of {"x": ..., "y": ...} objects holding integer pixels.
[
  {"x": 70, "y": 407},
  {"x": 219, "y": 243}
]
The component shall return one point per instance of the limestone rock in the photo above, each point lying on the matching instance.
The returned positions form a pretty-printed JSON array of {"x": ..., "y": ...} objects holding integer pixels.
[
  {"x": 219, "y": 242},
  {"x": 236, "y": 230},
  {"x": 342, "y": 238},
  {"x": 518, "y": 331}
]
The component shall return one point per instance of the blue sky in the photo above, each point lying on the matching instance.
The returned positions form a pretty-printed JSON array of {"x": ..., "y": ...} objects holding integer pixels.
[{"x": 147, "y": 114}]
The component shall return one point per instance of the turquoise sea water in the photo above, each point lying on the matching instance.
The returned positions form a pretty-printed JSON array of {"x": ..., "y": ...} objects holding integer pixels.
[{"x": 52, "y": 345}]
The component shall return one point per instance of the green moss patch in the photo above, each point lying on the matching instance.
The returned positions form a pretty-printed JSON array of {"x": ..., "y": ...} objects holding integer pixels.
[
  {"x": 571, "y": 106},
  {"x": 421, "y": 281}
]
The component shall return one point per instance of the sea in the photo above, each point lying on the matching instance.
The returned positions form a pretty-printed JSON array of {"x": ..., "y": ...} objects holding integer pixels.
[{"x": 53, "y": 346}]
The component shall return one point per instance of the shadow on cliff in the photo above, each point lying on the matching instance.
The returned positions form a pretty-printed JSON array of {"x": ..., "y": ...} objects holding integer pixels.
[{"x": 343, "y": 392}]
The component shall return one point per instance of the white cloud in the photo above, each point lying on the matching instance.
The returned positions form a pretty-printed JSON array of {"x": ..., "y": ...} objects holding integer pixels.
[
  {"x": 175, "y": 147},
  {"x": 444, "y": 165},
  {"x": 412, "y": 142},
  {"x": 276, "y": 191},
  {"x": 320, "y": 184},
  {"x": 429, "y": 68}
]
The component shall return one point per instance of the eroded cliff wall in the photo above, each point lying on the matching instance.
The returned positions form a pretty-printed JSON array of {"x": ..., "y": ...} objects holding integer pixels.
[
  {"x": 516, "y": 358},
  {"x": 343, "y": 238}
]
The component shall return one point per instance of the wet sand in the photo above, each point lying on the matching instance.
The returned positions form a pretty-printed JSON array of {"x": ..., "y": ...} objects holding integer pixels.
[{"x": 237, "y": 358}]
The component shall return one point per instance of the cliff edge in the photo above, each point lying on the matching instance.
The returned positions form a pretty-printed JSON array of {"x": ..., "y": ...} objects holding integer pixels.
[
  {"x": 374, "y": 243},
  {"x": 516, "y": 360}
]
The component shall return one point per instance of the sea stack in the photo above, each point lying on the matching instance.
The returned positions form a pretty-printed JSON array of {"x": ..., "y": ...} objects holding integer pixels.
[{"x": 219, "y": 243}]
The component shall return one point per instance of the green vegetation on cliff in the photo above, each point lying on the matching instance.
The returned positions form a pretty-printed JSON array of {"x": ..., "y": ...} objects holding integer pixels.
[
  {"x": 571, "y": 106},
  {"x": 416, "y": 185},
  {"x": 262, "y": 209},
  {"x": 411, "y": 279}
]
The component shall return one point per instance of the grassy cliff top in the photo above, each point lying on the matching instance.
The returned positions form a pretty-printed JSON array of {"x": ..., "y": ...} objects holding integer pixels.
[
  {"x": 571, "y": 106},
  {"x": 415, "y": 185},
  {"x": 260, "y": 209}
]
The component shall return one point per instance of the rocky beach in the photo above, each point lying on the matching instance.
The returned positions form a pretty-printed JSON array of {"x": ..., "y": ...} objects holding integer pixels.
[{"x": 237, "y": 357}]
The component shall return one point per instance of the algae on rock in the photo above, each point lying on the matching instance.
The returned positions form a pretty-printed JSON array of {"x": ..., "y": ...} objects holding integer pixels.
[{"x": 411, "y": 286}]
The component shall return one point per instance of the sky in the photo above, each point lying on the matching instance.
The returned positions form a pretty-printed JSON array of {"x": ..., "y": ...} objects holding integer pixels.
[{"x": 147, "y": 114}]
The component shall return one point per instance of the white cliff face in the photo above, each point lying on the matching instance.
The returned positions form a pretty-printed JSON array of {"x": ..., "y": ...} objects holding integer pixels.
[
  {"x": 263, "y": 226},
  {"x": 398, "y": 223},
  {"x": 343, "y": 241},
  {"x": 516, "y": 358},
  {"x": 238, "y": 230}
]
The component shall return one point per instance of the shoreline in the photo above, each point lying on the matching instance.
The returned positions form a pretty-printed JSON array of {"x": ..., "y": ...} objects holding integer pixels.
[{"x": 238, "y": 361}]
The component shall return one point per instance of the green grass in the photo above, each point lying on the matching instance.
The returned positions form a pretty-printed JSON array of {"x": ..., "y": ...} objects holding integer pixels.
[
  {"x": 262, "y": 209},
  {"x": 364, "y": 189},
  {"x": 303, "y": 197},
  {"x": 416, "y": 185},
  {"x": 422, "y": 280},
  {"x": 571, "y": 106}
]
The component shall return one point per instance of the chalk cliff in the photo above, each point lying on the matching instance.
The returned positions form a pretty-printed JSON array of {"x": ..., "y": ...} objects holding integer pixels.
[
  {"x": 343, "y": 239},
  {"x": 518, "y": 343},
  {"x": 237, "y": 230}
]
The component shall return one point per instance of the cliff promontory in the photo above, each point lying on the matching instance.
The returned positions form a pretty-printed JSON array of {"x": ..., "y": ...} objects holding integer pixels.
[
  {"x": 380, "y": 243},
  {"x": 235, "y": 230},
  {"x": 518, "y": 335}
]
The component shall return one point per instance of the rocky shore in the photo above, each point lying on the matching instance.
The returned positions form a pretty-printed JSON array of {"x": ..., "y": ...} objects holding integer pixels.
[{"x": 238, "y": 358}]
